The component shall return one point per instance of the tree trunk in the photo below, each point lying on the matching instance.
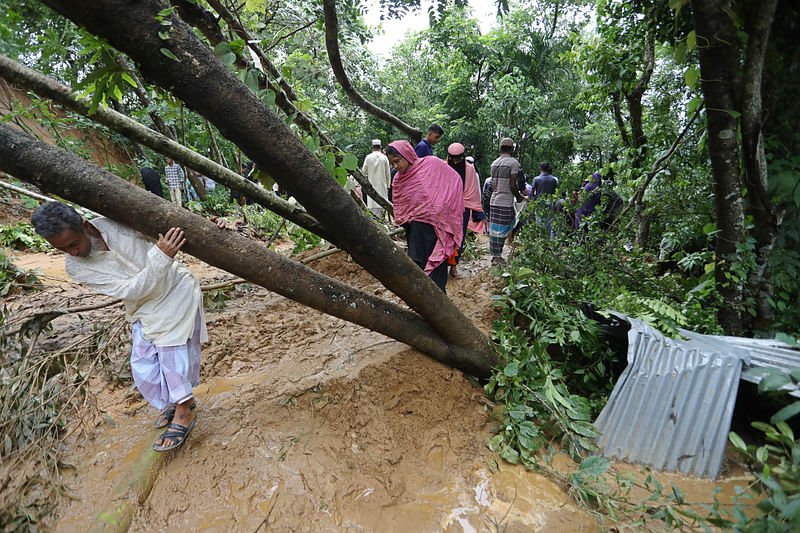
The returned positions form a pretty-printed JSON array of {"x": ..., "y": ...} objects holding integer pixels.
[
  {"x": 718, "y": 69},
  {"x": 49, "y": 88},
  {"x": 204, "y": 83},
  {"x": 70, "y": 177},
  {"x": 285, "y": 96},
  {"x": 758, "y": 203}
]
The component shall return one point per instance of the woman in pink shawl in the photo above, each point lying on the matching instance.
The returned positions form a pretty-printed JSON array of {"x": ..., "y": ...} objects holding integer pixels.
[
  {"x": 472, "y": 197},
  {"x": 429, "y": 203}
]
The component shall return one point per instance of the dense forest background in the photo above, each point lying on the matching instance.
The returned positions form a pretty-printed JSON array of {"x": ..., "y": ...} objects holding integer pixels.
[{"x": 689, "y": 110}]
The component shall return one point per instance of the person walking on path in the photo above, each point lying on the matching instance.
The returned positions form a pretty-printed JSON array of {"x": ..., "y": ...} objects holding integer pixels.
[
  {"x": 505, "y": 191},
  {"x": 478, "y": 222},
  {"x": 162, "y": 299},
  {"x": 376, "y": 169},
  {"x": 425, "y": 146},
  {"x": 472, "y": 197},
  {"x": 174, "y": 175},
  {"x": 429, "y": 204},
  {"x": 152, "y": 181},
  {"x": 545, "y": 184}
]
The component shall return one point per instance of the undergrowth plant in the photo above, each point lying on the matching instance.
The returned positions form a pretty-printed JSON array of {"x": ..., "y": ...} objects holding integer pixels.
[
  {"x": 41, "y": 390},
  {"x": 22, "y": 236}
]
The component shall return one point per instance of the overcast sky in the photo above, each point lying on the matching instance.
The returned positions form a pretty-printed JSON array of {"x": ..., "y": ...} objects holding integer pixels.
[{"x": 394, "y": 30}]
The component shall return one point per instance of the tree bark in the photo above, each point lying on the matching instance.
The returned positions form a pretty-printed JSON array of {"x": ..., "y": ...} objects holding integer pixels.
[
  {"x": 332, "y": 45},
  {"x": 718, "y": 69},
  {"x": 49, "y": 88},
  {"x": 766, "y": 219},
  {"x": 285, "y": 96},
  {"x": 70, "y": 177},
  {"x": 210, "y": 88}
]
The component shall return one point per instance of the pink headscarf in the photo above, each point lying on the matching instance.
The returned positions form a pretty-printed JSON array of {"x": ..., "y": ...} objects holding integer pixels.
[{"x": 429, "y": 191}]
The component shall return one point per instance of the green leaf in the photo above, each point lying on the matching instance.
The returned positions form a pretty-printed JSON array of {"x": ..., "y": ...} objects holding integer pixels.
[
  {"x": 762, "y": 454},
  {"x": 328, "y": 161},
  {"x": 691, "y": 76},
  {"x": 773, "y": 383},
  {"x": 510, "y": 455},
  {"x": 594, "y": 466},
  {"x": 251, "y": 80},
  {"x": 170, "y": 55},
  {"x": 511, "y": 369},
  {"x": 350, "y": 162},
  {"x": 691, "y": 40},
  {"x": 128, "y": 79},
  {"x": 786, "y": 413},
  {"x": 737, "y": 441},
  {"x": 693, "y": 103},
  {"x": 341, "y": 175},
  {"x": 228, "y": 58}
]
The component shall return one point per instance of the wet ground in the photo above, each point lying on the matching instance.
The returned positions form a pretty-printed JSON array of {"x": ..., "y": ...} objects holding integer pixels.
[{"x": 309, "y": 423}]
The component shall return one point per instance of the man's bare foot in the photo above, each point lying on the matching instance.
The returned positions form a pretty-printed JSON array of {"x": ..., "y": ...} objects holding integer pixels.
[{"x": 454, "y": 272}]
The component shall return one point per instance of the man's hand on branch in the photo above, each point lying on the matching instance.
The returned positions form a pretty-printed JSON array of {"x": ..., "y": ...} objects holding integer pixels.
[{"x": 171, "y": 242}]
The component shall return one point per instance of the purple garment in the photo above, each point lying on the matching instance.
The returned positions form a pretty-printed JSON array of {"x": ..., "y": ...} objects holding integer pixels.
[
  {"x": 423, "y": 149},
  {"x": 593, "y": 201},
  {"x": 166, "y": 375}
]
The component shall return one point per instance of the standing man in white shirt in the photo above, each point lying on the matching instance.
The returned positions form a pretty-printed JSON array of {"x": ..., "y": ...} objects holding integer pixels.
[
  {"x": 376, "y": 168},
  {"x": 162, "y": 300},
  {"x": 174, "y": 175}
]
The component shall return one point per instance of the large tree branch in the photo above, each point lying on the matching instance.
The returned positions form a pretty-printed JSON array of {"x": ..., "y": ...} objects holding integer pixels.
[
  {"x": 285, "y": 96},
  {"x": 332, "y": 45},
  {"x": 49, "y": 88}
]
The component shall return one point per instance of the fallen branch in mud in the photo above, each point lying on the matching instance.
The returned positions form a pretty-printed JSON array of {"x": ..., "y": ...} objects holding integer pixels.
[{"x": 40, "y": 392}]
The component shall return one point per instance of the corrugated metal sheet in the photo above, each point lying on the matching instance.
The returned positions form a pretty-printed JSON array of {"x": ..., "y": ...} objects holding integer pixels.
[
  {"x": 672, "y": 406},
  {"x": 764, "y": 353}
]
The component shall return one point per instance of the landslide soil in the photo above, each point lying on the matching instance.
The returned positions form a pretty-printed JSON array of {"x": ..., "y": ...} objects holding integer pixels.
[{"x": 308, "y": 423}]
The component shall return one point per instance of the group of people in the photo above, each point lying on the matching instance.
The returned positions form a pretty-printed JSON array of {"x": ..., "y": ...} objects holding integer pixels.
[
  {"x": 180, "y": 188},
  {"x": 437, "y": 201}
]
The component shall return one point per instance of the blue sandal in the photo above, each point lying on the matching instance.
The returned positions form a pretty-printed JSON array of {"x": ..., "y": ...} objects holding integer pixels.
[{"x": 176, "y": 433}]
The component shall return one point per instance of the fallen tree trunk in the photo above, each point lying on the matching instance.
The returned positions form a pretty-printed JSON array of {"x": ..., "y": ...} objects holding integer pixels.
[
  {"x": 70, "y": 177},
  {"x": 184, "y": 64}
]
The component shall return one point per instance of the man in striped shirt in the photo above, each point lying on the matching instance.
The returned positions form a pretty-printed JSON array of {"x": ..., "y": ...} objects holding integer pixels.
[{"x": 174, "y": 174}]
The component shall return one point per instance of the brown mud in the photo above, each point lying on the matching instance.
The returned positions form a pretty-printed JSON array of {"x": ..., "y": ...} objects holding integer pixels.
[{"x": 309, "y": 423}]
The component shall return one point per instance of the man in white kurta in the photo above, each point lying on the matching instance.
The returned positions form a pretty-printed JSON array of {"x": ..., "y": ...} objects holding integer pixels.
[
  {"x": 162, "y": 299},
  {"x": 376, "y": 168}
]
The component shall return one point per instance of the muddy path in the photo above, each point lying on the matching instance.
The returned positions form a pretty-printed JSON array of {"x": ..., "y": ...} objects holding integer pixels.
[{"x": 309, "y": 423}]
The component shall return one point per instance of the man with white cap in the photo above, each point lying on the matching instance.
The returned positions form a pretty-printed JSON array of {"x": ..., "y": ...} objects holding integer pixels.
[{"x": 376, "y": 168}]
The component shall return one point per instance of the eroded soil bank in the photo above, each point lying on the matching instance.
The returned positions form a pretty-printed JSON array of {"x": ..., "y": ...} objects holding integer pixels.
[{"x": 308, "y": 423}]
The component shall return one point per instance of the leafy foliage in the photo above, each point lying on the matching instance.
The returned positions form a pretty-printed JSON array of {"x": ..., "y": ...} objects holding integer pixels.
[{"x": 22, "y": 236}]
